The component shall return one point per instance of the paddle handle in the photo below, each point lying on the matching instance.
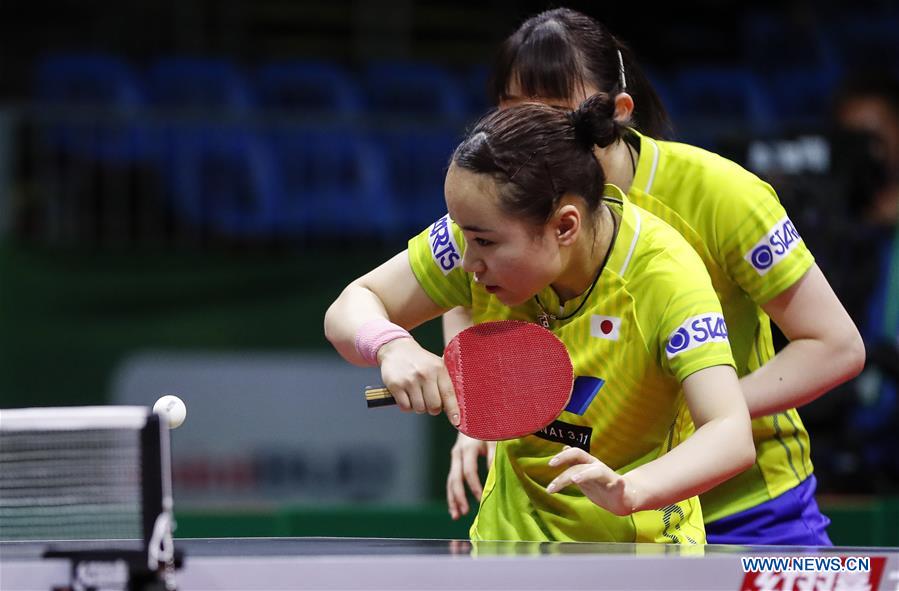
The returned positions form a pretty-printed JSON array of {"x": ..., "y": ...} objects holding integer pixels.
[{"x": 378, "y": 396}]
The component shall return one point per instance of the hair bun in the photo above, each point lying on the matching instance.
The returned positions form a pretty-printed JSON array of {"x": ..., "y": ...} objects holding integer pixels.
[
  {"x": 583, "y": 129},
  {"x": 594, "y": 122}
]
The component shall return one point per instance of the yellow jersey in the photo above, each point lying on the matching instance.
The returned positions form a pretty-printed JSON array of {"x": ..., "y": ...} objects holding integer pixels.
[
  {"x": 752, "y": 252},
  {"x": 651, "y": 320}
]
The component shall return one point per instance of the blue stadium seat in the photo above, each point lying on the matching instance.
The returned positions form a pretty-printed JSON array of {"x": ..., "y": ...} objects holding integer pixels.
[
  {"x": 477, "y": 95},
  {"x": 221, "y": 176},
  {"x": 331, "y": 182},
  {"x": 93, "y": 105},
  {"x": 88, "y": 80},
  {"x": 712, "y": 101},
  {"x": 312, "y": 88},
  {"x": 866, "y": 41},
  {"x": 662, "y": 83},
  {"x": 773, "y": 41},
  {"x": 292, "y": 181},
  {"x": 417, "y": 162},
  {"x": 198, "y": 84},
  {"x": 802, "y": 96},
  {"x": 413, "y": 89},
  {"x": 222, "y": 180},
  {"x": 722, "y": 93}
]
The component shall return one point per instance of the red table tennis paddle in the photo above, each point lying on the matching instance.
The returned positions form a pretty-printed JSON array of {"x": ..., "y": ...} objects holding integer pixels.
[{"x": 511, "y": 379}]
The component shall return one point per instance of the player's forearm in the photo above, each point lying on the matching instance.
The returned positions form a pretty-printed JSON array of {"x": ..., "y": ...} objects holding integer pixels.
[
  {"x": 355, "y": 306},
  {"x": 801, "y": 372},
  {"x": 718, "y": 450},
  {"x": 825, "y": 348},
  {"x": 454, "y": 322}
]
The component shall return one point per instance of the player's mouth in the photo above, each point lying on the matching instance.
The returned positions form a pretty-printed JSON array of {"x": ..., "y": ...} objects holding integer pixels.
[{"x": 492, "y": 288}]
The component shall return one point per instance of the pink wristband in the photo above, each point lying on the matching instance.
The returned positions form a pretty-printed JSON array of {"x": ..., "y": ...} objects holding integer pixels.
[{"x": 374, "y": 334}]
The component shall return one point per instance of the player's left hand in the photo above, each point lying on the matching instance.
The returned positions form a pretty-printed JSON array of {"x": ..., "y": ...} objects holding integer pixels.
[
  {"x": 464, "y": 470},
  {"x": 598, "y": 482}
]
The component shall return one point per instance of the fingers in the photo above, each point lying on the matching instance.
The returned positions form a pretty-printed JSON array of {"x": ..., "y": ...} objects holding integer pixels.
[
  {"x": 427, "y": 393},
  {"x": 433, "y": 402},
  {"x": 581, "y": 466},
  {"x": 596, "y": 476},
  {"x": 416, "y": 393},
  {"x": 455, "y": 491},
  {"x": 415, "y": 377},
  {"x": 596, "y": 481},
  {"x": 571, "y": 456},
  {"x": 469, "y": 455},
  {"x": 402, "y": 399},
  {"x": 567, "y": 478},
  {"x": 464, "y": 471},
  {"x": 448, "y": 396},
  {"x": 600, "y": 484},
  {"x": 413, "y": 398},
  {"x": 457, "y": 547}
]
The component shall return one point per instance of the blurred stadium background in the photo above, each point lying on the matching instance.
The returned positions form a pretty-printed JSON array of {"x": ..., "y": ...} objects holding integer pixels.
[{"x": 186, "y": 185}]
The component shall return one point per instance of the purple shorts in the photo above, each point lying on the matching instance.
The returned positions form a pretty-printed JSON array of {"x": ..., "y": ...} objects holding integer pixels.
[{"x": 792, "y": 519}]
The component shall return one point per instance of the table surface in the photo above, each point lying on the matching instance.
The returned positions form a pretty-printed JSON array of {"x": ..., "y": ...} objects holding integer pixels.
[{"x": 257, "y": 564}]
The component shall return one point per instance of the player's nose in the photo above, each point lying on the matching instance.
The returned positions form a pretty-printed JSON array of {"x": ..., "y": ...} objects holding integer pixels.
[{"x": 472, "y": 263}]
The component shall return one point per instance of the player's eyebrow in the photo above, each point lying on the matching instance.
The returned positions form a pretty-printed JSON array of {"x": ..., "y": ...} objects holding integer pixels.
[{"x": 476, "y": 229}]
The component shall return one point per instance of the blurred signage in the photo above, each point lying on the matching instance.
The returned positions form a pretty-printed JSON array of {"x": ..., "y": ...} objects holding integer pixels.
[
  {"x": 804, "y": 154},
  {"x": 270, "y": 428}
]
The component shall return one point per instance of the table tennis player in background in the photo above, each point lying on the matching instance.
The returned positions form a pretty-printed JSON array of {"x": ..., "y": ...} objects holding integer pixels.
[
  {"x": 758, "y": 263},
  {"x": 532, "y": 234}
]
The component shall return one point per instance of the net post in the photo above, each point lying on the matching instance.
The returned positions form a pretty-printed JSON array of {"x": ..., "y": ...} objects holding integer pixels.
[{"x": 151, "y": 469}]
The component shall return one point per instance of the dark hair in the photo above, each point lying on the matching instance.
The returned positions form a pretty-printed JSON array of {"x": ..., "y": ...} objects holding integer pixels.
[
  {"x": 553, "y": 54},
  {"x": 537, "y": 154}
]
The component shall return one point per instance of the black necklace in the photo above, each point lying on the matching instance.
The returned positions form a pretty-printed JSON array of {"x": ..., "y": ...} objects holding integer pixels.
[{"x": 544, "y": 318}]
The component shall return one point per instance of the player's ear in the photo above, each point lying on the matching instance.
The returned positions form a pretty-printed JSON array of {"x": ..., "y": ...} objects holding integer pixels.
[
  {"x": 624, "y": 107},
  {"x": 567, "y": 223}
]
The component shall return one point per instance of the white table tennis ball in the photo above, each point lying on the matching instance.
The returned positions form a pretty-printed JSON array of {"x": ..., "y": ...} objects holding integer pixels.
[{"x": 172, "y": 408}]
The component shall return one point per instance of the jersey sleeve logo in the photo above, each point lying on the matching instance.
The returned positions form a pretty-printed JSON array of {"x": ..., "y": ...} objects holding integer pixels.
[
  {"x": 695, "y": 332},
  {"x": 774, "y": 246},
  {"x": 444, "y": 249}
]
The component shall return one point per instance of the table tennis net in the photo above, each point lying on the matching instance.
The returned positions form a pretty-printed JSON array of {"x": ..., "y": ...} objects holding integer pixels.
[{"x": 72, "y": 473}]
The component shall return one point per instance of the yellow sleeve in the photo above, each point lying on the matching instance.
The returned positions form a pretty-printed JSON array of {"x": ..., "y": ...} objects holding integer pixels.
[
  {"x": 757, "y": 243},
  {"x": 683, "y": 323},
  {"x": 435, "y": 256},
  {"x": 693, "y": 334}
]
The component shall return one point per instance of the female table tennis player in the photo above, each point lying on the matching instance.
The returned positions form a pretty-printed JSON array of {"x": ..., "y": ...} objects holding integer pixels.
[
  {"x": 532, "y": 234},
  {"x": 758, "y": 264}
]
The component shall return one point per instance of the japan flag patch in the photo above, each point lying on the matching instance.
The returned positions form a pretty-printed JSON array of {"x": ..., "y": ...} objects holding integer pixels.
[{"x": 605, "y": 327}]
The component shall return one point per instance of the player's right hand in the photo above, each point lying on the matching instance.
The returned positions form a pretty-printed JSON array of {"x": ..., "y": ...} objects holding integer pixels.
[
  {"x": 464, "y": 470},
  {"x": 417, "y": 379}
]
